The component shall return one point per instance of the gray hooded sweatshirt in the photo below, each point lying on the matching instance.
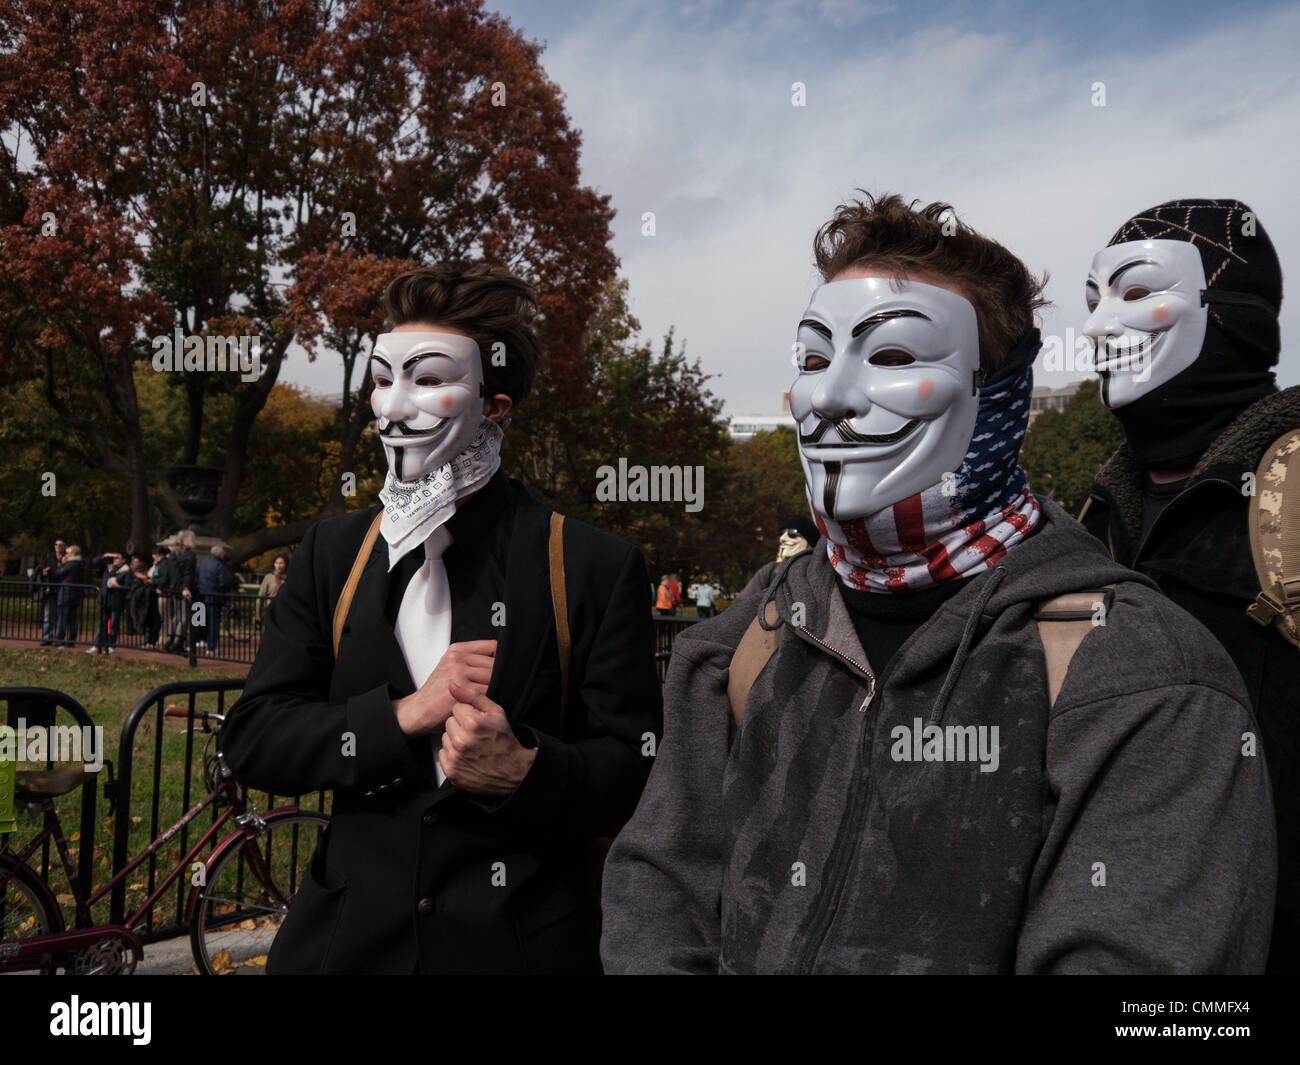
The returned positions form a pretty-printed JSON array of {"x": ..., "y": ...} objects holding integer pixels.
[{"x": 1127, "y": 828}]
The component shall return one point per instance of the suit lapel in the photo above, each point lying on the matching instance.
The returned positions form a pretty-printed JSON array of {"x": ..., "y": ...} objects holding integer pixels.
[{"x": 372, "y": 615}]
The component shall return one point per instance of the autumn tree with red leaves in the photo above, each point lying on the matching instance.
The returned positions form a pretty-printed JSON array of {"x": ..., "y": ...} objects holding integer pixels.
[{"x": 260, "y": 168}]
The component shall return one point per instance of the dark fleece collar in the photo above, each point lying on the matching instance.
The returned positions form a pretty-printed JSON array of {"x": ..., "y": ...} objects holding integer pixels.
[{"x": 1235, "y": 451}]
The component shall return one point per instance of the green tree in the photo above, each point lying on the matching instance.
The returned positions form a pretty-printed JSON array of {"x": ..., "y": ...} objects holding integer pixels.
[
  {"x": 1064, "y": 449},
  {"x": 623, "y": 400}
]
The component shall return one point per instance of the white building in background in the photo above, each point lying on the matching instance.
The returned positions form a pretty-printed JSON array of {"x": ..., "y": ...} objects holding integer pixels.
[
  {"x": 744, "y": 426},
  {"x": 1043, "y": 398}
]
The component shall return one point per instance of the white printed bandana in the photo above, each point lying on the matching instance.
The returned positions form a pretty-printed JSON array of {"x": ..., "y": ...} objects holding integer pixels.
[{"x": 413, "y": 509}]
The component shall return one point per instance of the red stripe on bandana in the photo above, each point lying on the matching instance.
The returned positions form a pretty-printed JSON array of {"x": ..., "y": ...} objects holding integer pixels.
[{"x": 909, "y": 517}]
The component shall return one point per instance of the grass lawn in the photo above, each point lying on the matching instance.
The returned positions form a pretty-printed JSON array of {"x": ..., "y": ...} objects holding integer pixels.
[{"x": 108, "y": 687}]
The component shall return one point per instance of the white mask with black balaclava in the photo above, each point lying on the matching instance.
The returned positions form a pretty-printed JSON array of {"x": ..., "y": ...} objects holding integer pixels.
[
  {"x": 909, "y": 461},
  {"x": 428, "y": 397},
  {"x": 1147, "y": 319}
]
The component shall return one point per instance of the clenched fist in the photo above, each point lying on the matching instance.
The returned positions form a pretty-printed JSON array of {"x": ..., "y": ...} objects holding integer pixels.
[
  {"x": 467, "y": 664},
  {"x": 480, "y": 752}
]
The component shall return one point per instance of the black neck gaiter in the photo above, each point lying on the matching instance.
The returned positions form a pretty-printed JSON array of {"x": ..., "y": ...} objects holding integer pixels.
[{"x": 1170, "y": 427}]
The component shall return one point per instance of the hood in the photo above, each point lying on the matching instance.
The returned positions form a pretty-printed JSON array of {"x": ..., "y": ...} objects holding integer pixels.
[
  {"x": 1235, "y": 451},
  {"x": 1060, "y": 557}
]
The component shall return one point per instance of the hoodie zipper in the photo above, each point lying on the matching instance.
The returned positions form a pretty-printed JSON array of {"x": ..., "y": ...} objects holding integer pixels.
[
  {"x": 843, "y": 851},
  {"x": 860, "y": 667}
]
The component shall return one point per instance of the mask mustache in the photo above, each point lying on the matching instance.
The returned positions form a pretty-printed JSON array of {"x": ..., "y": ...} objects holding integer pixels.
[
  {"x": 850, "y": 437},
  {"x": 405, "y": 430}
]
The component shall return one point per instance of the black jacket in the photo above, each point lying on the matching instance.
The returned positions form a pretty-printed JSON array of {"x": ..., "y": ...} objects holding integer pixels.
[
  {"x": 1198, "y": 551},
  {"x": 404, "y": 874},
  {"x": 186, "y": 574},
  {"x": 45, "y": 586},
  {"x": 113, "y": 598},
  {"x": 70, "y": 575},
  {"x": 168, "y": 580}
]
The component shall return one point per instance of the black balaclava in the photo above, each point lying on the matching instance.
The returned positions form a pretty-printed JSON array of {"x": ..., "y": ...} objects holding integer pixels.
[{"x": 1171, "y": 426}]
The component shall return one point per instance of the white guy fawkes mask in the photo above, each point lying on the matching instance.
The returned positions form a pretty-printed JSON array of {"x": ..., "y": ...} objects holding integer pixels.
[
  {"x": 790, "y": 543},
  {"x": 886, "y": 396},
  {"x": 428, "y": 398},
  {"x": 1147, "y": 319}
]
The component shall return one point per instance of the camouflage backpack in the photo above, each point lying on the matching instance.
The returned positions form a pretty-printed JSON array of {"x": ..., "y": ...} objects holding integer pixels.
[{"x": 1275, "y": 539}]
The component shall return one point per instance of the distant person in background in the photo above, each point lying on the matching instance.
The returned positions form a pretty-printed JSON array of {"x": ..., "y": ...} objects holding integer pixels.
[
  {"x": 271, "y": 584},
  {"x": 704, "y": 600},
  {"x": 797, "y": 537},
  {"x": 114, "y": 583},
  {"x": 49, "y": 590},
  {"x": 675, "y": 589},
  {"x": 215, "y": 583},
  {"x": 70, "y": 575},
  {"x": 167, "y": 583},
  {"x": 186, "y": 587},
  {"x": 664, "y": 598},
  {"x": 141, "y": 603}
]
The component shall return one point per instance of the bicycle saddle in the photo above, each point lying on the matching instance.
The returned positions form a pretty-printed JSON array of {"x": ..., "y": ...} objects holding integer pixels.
[{"x": 45, "y": 784}]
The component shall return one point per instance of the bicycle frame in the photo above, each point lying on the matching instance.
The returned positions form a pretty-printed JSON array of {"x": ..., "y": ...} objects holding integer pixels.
[{"x": 86, "y": 932}]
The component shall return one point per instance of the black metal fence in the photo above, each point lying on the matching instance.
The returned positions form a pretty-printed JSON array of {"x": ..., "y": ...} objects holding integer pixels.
[
  {"x": 28, "y": 709},
  {"x": 168, "y": 799},
  {"x": 22, "y": 617},
  {"x": 30, "y": 612}
]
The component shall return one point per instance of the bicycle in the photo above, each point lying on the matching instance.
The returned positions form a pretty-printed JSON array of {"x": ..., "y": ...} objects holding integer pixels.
[{"x": 238, "y": 898}]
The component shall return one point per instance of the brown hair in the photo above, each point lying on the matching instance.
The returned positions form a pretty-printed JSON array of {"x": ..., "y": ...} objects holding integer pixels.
[
  {"x": 886, "y": 233},
  {"x": 488, "y": 304}
]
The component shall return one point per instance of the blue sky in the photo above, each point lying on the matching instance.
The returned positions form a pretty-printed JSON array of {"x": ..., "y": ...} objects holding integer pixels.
[{"x": 685, "y": 110}]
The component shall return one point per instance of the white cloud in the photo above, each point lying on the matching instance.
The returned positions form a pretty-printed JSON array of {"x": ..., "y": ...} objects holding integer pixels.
[{"x": 686, "y": 112}]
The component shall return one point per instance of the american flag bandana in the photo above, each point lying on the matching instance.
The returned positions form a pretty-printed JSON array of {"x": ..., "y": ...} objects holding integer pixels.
[{"x": 954, "y": 529}]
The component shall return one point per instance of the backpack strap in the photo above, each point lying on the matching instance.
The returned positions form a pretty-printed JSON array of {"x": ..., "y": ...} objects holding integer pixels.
[
  {"x": 756, "y": 646},
  {"x": 1275, "y": 539},
  {"x": 1063, "y": 622},
  {"x": 344, "y": 604},
  {"x": 560, "y": 605}
]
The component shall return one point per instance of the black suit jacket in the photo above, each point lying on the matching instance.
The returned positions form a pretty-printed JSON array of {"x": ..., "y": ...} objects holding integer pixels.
[{"x": 410, "y": 874}]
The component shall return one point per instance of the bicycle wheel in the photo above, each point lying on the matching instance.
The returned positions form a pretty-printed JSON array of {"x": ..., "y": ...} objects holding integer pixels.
[
  {"x": 247, "y": 891},
  {"x": 25, "y": 912}
]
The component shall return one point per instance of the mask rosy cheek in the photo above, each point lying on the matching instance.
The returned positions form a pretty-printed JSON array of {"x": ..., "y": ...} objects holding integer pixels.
[
  {"x": 446, "y": 403},
  {"x": 1161, "y": 314},
  {"x": 924, "y": 389}
]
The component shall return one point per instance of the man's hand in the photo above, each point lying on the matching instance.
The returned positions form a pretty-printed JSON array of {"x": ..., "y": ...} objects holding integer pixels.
[
  {"x": 468, "y": 664},
  {"x": 479, "y": 750}
]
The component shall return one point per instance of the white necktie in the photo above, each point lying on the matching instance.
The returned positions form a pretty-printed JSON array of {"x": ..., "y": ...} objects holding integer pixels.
[{"x": 423, "y": 628}]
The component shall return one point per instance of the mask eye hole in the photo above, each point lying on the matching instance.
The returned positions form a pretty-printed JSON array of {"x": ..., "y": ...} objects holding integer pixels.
[
  {"x": 1091, "y": 297},
  {"x": 1137, "y": 292},
  {"x": 891, "y": 357},
  {"x": 815, "y": 362},
  {"x": 382, "y": 382},
  {"x": 428, "y": 381}
]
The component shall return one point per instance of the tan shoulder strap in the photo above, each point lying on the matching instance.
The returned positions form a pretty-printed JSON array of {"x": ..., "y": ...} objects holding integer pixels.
[
  {"x": 350, "y": 586},
  {"x": 1063, "y": 622},
  {"x": 756, "y": 646},
  {"x": 1275, "y": 539},
  {"x": 560, "y": 604}
]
